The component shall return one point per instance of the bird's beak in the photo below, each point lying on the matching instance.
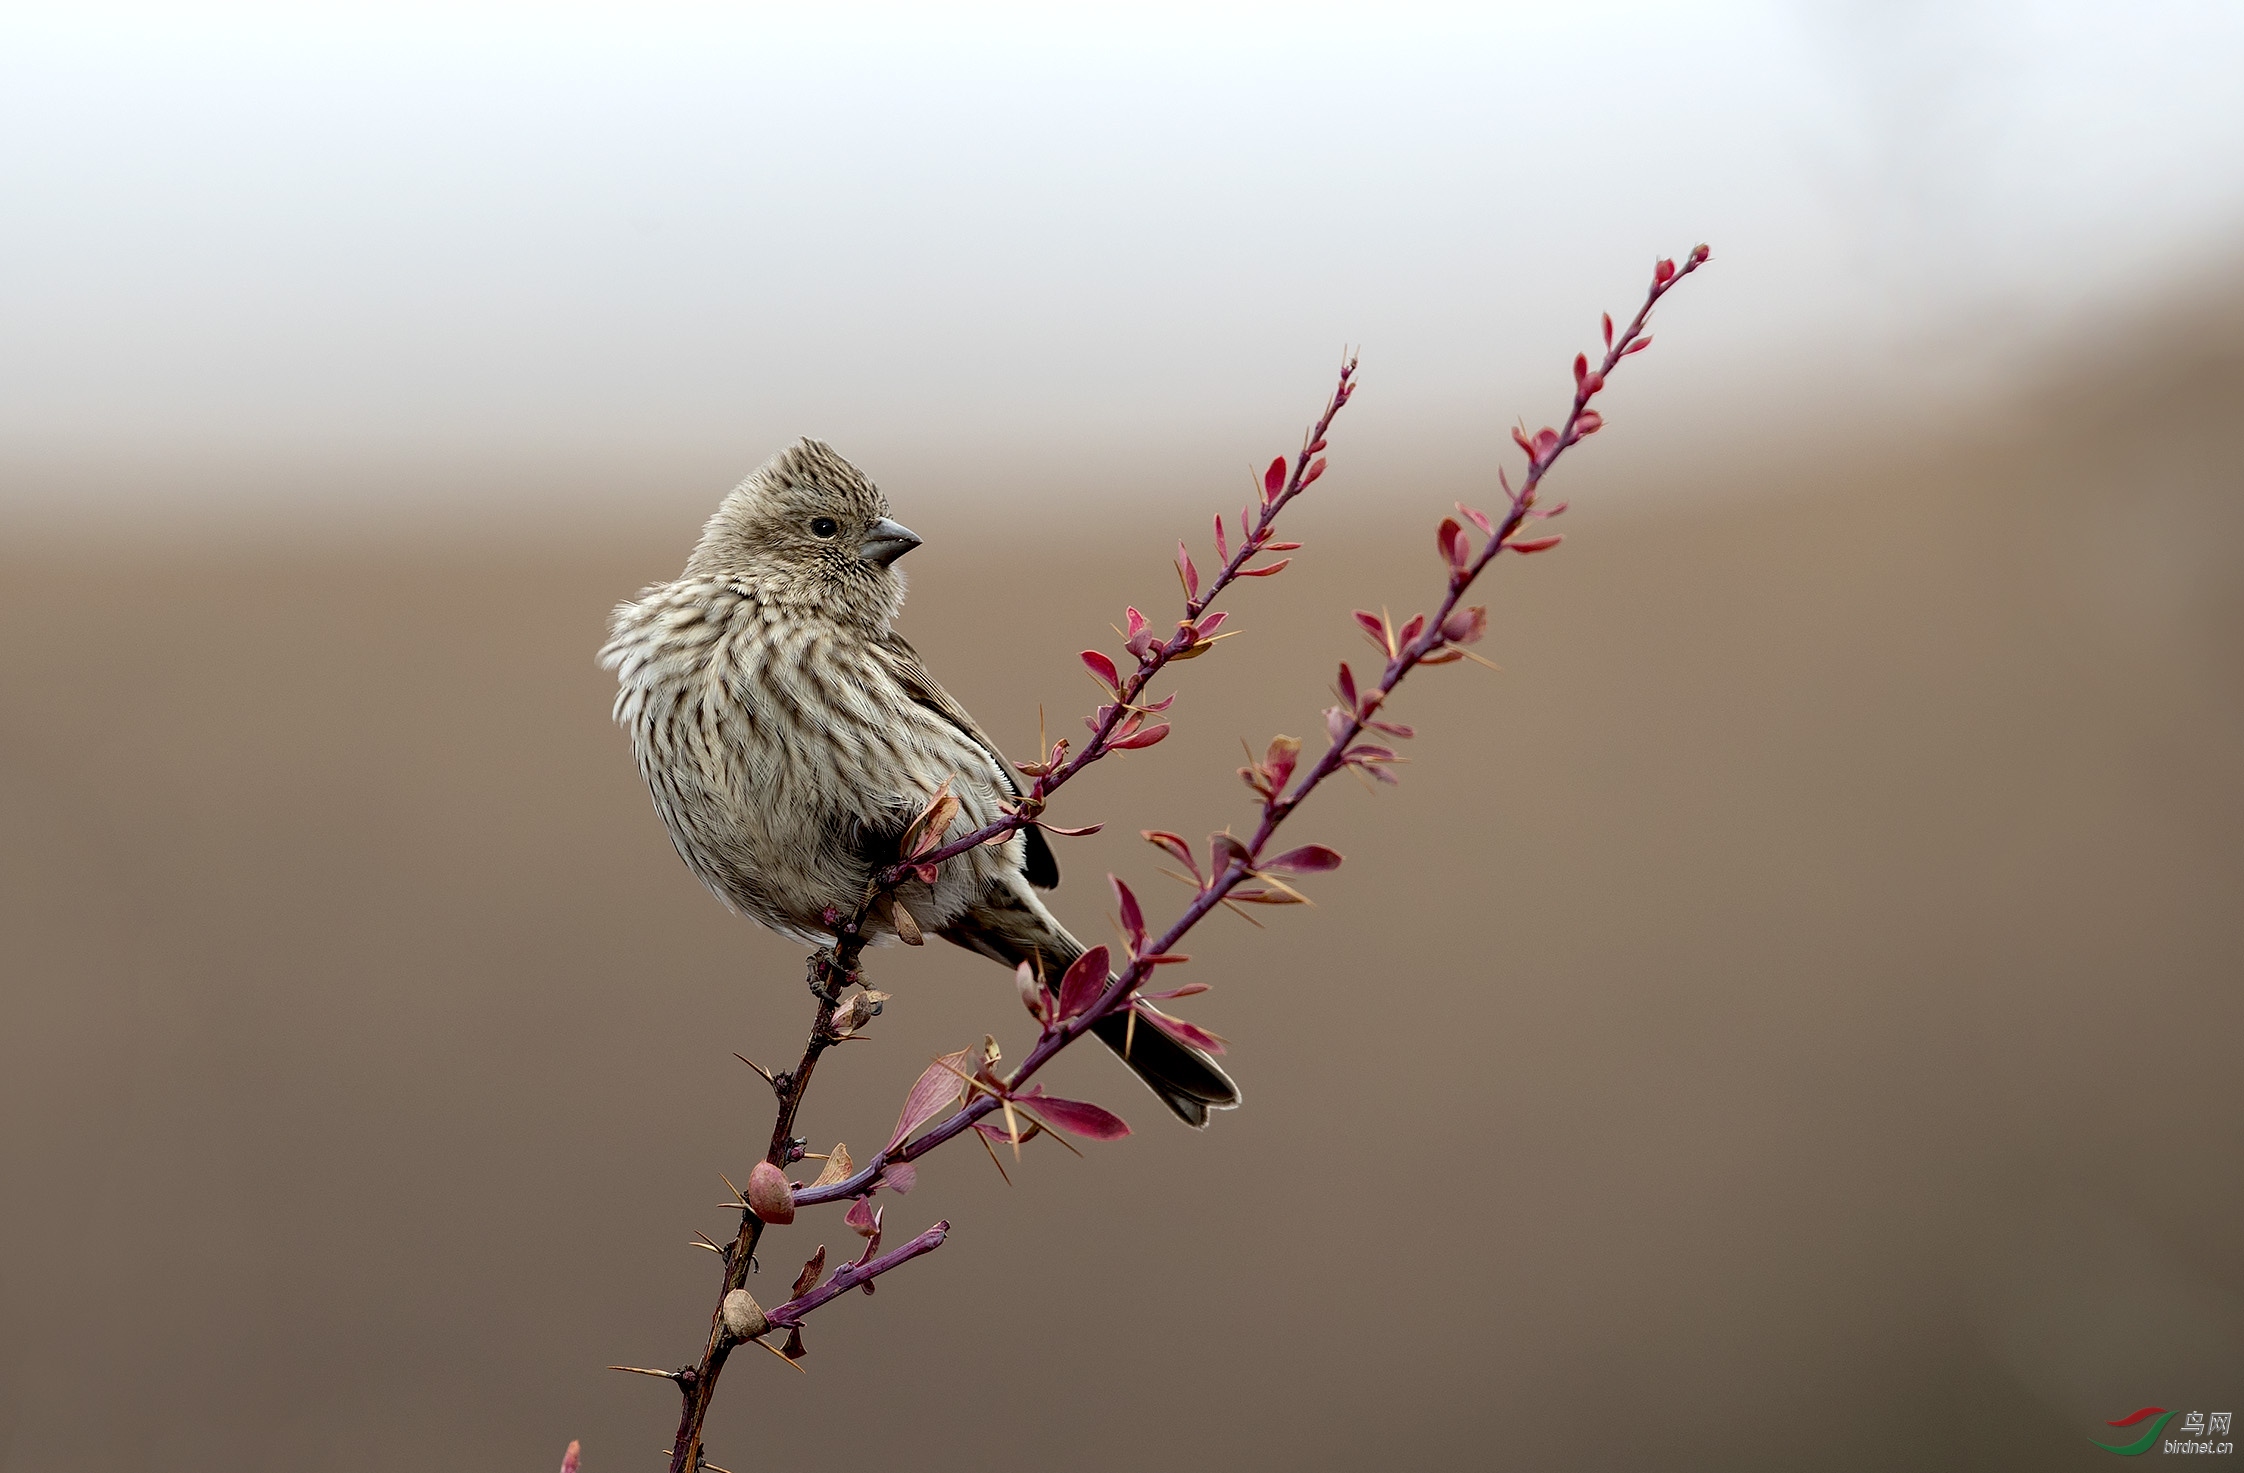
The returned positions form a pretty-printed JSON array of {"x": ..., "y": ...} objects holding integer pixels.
[{"x": 887, "y": 542}]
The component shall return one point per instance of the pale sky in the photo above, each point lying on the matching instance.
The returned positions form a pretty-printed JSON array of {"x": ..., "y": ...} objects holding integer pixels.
[{"x": 668, "y": 239}]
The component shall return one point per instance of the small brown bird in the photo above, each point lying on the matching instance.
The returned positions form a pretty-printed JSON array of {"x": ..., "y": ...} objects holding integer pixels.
[{"x": 789, "y": 736}]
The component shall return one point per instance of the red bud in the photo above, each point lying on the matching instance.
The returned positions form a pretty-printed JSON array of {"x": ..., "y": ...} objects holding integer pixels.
[{"x": 770, "y": 1195}]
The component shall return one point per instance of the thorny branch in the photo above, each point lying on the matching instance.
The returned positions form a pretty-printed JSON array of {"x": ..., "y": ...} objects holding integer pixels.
[{"x": 1239, "y": 872}]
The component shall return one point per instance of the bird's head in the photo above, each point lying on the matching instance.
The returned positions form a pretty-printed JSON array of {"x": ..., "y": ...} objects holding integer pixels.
[{"x": 810, "y": 532}]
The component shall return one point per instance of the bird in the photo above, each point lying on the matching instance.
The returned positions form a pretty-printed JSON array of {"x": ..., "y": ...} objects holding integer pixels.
[{"x": 789, "y": 736}]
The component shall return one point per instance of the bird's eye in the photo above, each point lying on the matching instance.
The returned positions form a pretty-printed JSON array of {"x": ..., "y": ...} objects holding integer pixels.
[{"x": 823, "y": 527}]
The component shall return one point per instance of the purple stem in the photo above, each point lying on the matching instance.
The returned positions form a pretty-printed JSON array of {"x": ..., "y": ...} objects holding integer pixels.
[
  {"x": 1277, "y": 808},
  {"x": 1251, "y": 546},
  {"x": 850, "y": 1275}
]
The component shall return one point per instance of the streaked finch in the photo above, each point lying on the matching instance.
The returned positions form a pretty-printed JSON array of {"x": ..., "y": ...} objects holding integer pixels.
[{"x": 789, "y": 736}]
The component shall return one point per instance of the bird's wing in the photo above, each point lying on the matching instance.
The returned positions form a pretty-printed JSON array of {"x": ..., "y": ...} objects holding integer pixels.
[{"x": 1042, "y": 868}]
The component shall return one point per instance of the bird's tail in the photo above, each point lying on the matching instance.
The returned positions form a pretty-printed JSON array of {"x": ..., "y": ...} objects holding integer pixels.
[{"x": 1012, "y": 926}]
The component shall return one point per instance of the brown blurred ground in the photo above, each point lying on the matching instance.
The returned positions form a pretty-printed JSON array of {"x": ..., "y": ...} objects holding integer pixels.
[{"x": 1790, "y": 1018}]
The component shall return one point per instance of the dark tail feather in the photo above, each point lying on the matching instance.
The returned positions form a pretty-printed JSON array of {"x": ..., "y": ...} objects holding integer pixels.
[
  {"x": 1187, "y": 1080},
  {"x": 1014, "y": 927}
]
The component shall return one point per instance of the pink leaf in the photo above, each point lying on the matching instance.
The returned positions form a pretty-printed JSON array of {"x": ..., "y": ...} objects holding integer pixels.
[
  {"x": 1102, "y": 667},
  {"x": 1208, "y": 626},
  {"x": 1181, "y": 1031},
  {"x": 1077, "y": 1117},
  {"x": 1536, "y": 544},
  {"x": 1189, "y": 989},
  {"x": 901, "y": 1175},
  {"x": 770, "y": 1195},
  {"x": 1477, "y": 518},
  {"x": 1337, "y": 721},
  {"x": 1274, "y": 479},
  {"x": 1373, "y": 625},
  {"x": 1277, "y": 567},
  {"x": 569, "y": 1463},
  {"x": 1589, "y": 422},
  {"x": 1348, "y": 688},
  {"x": 1411, "y": 630},
  {"x": 1136, "y": 621},
  {"x": 1137, "y": 739},
  {"x": 1175, "y": 845},
  {"x": 1279, "y": 758},
  {"x": 860, "y": 1218},
  {"x": 1191, "y": 574},
  {"x": 1225, "y": 849},
  {"x": 1395, "y": 728},
  {"x": 1638, "y": 346},
  {"x": 1084, "y": 981},
  {"x": 1223, "y": 548},
  {"x": 1133, "y": 919},
  {"x": 1663, "y": 272},
  {"x": 1308, "y": 859},
  {"x": 1608, "y": 329},
  {"x": 1581, "y": 369},
  {"x": 936, "y": 1088},
  {"x": 1316, "y": 469}
]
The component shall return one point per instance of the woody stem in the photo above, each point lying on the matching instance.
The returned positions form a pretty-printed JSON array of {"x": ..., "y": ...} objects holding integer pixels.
[{"x": 830, "y": 971}]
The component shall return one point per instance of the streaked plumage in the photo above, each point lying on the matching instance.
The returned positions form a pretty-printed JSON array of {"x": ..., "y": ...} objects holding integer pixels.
[{"x": 788, "y": 736}]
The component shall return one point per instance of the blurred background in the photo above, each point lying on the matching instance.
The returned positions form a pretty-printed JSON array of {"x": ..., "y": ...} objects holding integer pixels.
[{"x": 1787, "y": 1018}]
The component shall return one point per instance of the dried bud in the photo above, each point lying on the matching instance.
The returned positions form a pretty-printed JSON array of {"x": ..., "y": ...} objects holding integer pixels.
[
  {"x": 1032, "y": 991},
  {"x": 770, "y": 1195},
  {"x": 863, "y": 1007},
  {"x": 814, "y": 1269},
  {"x": 743, "y": 1316}
]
